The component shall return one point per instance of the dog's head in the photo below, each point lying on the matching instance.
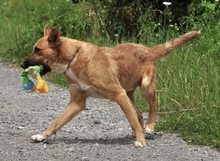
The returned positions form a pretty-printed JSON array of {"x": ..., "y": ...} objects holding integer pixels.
[{"x": 45, "y": 51}]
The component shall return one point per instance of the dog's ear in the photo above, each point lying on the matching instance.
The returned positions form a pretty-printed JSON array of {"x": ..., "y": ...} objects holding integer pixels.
[
  {"x": 46, "y": 30},
  {"x": 54, "y": 37}
]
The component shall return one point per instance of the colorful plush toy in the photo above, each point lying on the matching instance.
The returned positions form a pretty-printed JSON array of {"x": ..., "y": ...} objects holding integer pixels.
[{"x": 28, "y": 85}]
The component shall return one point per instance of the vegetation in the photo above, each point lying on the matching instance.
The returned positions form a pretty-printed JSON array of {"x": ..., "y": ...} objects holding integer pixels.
[{"x": 188, "y": 81}]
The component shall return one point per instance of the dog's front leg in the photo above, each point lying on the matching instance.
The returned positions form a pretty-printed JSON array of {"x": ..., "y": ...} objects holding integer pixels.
[
  {"x": 126, "y": 106},
  {"x": 75, "y": 105}
]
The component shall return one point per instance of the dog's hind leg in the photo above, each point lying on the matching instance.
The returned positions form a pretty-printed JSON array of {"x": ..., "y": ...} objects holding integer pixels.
[
  {"x": 124, "y": 102},
  {"x": 149, "y": 91},
  {"x": 76, "y": 104}
]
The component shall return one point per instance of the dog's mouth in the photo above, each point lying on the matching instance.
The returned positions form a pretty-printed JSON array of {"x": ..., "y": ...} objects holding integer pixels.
[{"x": 45, "y": 67}]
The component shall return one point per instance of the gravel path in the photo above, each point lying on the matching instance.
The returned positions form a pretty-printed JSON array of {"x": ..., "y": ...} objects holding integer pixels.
[{"x": 99, "y": 133}]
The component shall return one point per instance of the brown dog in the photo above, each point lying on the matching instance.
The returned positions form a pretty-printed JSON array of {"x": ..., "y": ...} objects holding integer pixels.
[{"x": 104, "y": 72}]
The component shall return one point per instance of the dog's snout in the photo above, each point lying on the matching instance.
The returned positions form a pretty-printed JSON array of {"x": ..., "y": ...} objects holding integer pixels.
[
  {"x": 25, "y": 64},
  {"x": 22, "y": 65}
]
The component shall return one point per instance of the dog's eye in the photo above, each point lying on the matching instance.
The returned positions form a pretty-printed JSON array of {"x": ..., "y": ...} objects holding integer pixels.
[{"x": 36, "y": 50}]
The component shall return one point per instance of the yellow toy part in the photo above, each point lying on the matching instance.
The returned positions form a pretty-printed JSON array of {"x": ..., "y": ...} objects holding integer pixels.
[{"x": 42, "y": 86}]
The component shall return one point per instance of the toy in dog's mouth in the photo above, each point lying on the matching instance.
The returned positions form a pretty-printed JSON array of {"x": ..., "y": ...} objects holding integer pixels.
[{"x": 45, "y": 67}]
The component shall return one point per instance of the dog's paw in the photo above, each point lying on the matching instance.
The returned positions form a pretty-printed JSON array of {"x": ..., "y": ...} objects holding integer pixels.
[
  {"x": 138, "y": 144},
  {"x": 37, "y": 138},
  {"x": 149, "y": 131}
]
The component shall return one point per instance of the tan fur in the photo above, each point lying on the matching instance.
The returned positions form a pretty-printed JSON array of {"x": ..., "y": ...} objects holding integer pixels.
[{"x": 111, "y": 73}]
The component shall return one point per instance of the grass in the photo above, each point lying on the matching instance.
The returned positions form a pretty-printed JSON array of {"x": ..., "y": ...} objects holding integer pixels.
[
  {"x": 188, "y": 81},
  {"x": 192, "y": 98},
  {"x": 188, "y": 90}
]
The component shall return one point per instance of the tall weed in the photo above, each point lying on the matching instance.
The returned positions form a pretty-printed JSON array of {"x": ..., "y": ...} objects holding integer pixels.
[{"x": 188, "y": 90}]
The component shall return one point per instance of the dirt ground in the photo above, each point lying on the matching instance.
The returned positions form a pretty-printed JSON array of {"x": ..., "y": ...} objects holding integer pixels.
[{"x": 99, "y": 133}]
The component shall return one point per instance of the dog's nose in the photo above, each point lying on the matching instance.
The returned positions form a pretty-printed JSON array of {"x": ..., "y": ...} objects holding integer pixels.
[{"x": 23, "y": 65}]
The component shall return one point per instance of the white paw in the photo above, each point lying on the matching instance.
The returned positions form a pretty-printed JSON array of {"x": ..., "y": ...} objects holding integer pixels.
[
  {"x": 37, "y": 138},
  {"x": 148, "y": 130},
  {"x": 138, "y": 144}
]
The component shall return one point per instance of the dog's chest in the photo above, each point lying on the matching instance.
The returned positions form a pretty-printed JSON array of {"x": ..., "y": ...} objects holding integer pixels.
[{"x": 90, "y": 90}]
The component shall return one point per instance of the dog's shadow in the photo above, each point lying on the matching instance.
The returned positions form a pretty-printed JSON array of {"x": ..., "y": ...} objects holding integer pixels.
[
  {"x": 154, "y": 136},
  {"x": 120, "y": 141}
]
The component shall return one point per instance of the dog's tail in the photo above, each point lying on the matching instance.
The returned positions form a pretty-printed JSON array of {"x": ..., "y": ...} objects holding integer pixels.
[{"x": 166, "y": 48}]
